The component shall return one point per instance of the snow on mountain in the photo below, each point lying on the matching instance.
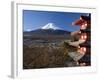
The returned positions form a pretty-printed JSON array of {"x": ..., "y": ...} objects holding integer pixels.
[{"x": 50, "y": 26}]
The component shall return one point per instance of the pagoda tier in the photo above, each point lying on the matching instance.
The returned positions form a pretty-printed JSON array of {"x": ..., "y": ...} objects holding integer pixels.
[{"x": 85, "y": 34}]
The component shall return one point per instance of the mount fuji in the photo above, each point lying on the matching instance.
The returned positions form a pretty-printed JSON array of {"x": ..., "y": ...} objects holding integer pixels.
[{"x": 49, "y": 29}]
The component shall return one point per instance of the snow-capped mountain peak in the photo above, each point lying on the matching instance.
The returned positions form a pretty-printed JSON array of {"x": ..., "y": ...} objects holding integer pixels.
[{"x": 50, "y": 26}]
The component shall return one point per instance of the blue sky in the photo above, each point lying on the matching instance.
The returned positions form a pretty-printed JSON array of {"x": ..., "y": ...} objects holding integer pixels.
[{"x": 36, "y": 19}]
